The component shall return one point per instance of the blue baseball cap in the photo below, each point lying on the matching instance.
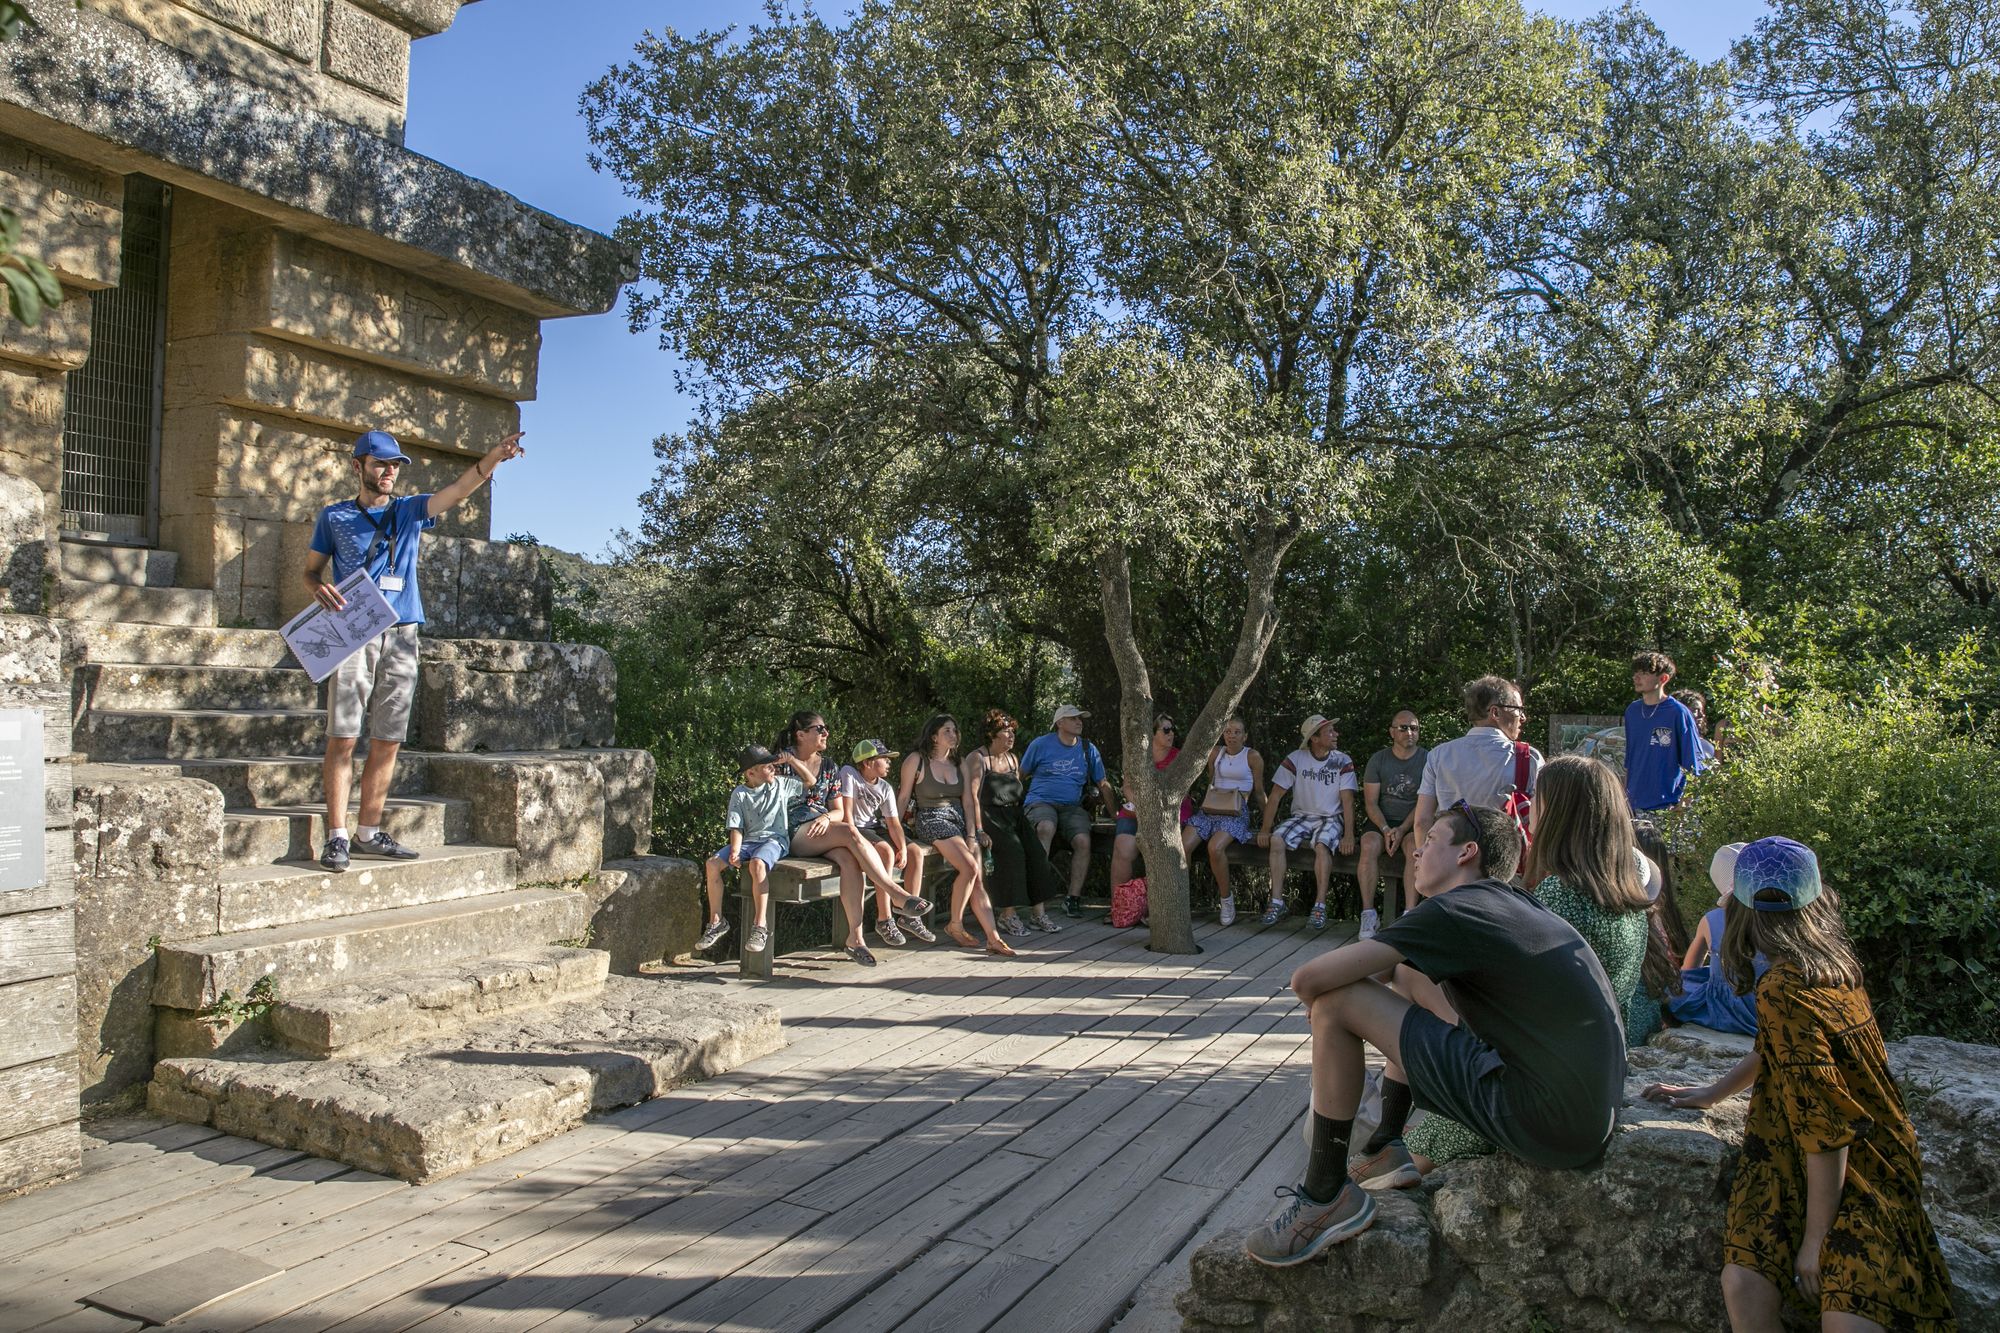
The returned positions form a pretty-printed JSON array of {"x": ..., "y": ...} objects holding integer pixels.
[
  {"x": 1786, "y": 871},
  {"x": 380, "y": 444}
]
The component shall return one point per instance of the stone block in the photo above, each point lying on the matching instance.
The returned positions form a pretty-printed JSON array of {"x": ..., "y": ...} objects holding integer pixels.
[
  {"x": 420, "y": 18},
  {"x": 32, "y": 676},
  {"x": 644, "y": 909},
  {"x": 292, "y": 26},
  {"x": 551, "y": 811},
  {"x": 503, "y": 592},
  {"x": 60, "y": 341},
  {"x": 72, "y": 214},
  {"x": 27, "y": 548},
  {"x": 147, "y": 853},
  {"x": 31, "y": 433},
  {"x": 500, "y": 694},
  {"x": 628, "y": 800},
  {"x": 367, "y": 51}
]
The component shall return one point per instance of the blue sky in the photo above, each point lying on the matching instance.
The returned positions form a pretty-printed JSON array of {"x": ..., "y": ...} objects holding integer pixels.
[{"x": 495, "y": 96}]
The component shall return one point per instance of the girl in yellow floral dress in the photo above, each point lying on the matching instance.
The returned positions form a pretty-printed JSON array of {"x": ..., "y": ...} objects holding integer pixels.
[{"x": 1827, "y": 1209}]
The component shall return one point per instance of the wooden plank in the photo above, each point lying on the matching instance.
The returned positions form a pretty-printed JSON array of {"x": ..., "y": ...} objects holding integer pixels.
[
  {"x": 894, "y": 1300},
  {"x": 37, "y": 1096},
  {"x": 993, "y": 1284},
  {"x": 135, "y": 1189},
  {"x": 37, "y": 944},
  {"x": 118, "y": 1128},
  {"x": 38, "y": 1022},
  {"x": 356, "y": 1306},
  {"x": 106, "y": 1183}
]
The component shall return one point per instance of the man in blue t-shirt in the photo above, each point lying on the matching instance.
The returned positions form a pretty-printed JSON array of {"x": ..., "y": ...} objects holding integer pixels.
[
  {"x": 377, "y": 532},
  {"x": 1662, "y": 745},
  {"x": 1057, "y": 767}
]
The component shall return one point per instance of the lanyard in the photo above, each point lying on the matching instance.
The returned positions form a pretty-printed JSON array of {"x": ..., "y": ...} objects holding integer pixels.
[{"x": 385, "y": 533}]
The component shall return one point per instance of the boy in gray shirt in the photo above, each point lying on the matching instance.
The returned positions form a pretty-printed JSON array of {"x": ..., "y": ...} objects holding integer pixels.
[{"x": 759, "y": 822}]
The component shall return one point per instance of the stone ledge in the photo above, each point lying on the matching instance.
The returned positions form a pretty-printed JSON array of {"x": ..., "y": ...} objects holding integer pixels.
[
  {"x": 435, "y": 1111},
  {"x": 1635, "y": 1243},
  {"x": 160, "y": 110}
]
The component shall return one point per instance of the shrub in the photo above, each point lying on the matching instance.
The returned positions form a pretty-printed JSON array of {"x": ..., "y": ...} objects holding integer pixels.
[{"x": 1899, "y": 796}]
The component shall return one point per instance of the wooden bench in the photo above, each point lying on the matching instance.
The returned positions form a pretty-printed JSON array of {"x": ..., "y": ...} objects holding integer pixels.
[
  {"x": 1389, "y": 872},
  {"x": 803, "y": 879}
]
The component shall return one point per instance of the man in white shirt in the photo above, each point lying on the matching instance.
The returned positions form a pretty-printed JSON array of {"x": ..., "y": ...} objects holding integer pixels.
[
  {"x": 1322, "y": 783},
  {"x": 1483, "y": 766}
]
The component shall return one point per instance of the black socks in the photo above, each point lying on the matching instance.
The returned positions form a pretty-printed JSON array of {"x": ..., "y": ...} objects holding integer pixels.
[
  {"x": 1326, "y": 1169},
  {"x": 1396, "y": 1106}
]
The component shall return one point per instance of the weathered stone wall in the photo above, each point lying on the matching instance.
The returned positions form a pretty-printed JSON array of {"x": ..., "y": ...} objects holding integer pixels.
[
  {"x": 348, "y": 59},
  {"x": 38, "y": 956},
  {"x": 1634, "y": 1244}
]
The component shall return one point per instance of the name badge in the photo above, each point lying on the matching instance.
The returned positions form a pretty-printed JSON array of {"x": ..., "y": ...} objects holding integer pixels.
[{"x": 390, "y": 583}]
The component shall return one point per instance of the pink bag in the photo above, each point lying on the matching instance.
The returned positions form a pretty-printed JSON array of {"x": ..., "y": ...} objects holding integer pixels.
[{"x": 1128, "y": 903}]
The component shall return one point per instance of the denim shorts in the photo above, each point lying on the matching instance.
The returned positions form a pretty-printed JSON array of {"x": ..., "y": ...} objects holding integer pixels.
[{"x": 767, "y": 850}]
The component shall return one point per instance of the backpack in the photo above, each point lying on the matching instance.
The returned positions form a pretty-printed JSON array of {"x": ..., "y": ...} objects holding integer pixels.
[
  {"x": 1519, "y": 803},
  {"x": 1128, "y": 903}
]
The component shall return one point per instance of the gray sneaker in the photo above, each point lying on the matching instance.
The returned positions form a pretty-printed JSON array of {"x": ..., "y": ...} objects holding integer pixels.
[
  {"x": 758, "y": 940},
  {"x": 1303, "y": 1229},
  {"x": 859, "y": 953},
  {"x": 1012, "y": 925},
  {"x": 712, "y": 934},
  {"x": 1390, "y": 1169},
  {"x": 333, "y": 856},
  {"x": 1040, "y": 921},
  {"x": 384, "y": 846},
  {"x": 889, "y": 933},
  {"x": 915, "y": 925}
]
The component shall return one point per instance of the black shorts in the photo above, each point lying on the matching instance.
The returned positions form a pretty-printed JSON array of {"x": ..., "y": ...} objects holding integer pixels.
[
  {"x": 874, "y": 833},
  {"x": 1454, "y": 1073}
]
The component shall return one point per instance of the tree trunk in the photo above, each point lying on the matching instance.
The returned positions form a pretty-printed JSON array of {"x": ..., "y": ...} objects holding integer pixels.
[{"x": 1157, "y": 793}]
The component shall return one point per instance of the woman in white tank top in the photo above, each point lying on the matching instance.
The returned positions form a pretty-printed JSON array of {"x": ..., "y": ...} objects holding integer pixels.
[{"x": 1235, "y": 786}]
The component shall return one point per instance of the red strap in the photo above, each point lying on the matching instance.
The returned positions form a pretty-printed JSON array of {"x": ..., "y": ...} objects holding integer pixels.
[{"x": 1521, "y": 767}]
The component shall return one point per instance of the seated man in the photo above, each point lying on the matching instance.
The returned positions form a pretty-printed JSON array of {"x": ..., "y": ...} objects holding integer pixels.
[{"x": 1536, "y": 1062}]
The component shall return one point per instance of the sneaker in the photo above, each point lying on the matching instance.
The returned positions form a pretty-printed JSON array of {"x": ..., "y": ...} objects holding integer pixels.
[
  {"x": 1318, "y": 917},
  {"x": 757, "y": 941},
  {"x": 916, "y": 927},
  {"x": 384, "y": 846},
  {"x": 1275, "y": 912},
  {"x": 859, "y": 953},
  {"x": 890, "y": 934},
  {"x": 1012, "y": 925},
  {"x": 1073, "y": 906},
  {"x": 1390, "y": 1169},
  {"x": 1371, "y": 921},
  {"x": 712, "y": 934},
  {"x": 1304, "y": 1227},
  {"x": 1227, "y": 910},
  {"x": 1040, "y": 921},
  {"x": 333, "y": 856}
]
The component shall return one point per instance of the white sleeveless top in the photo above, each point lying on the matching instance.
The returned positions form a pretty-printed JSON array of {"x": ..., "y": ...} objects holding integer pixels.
[{"x": 1232, "y": 771}]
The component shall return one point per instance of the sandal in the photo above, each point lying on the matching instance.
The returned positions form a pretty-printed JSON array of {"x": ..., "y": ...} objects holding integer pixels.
[
  {"x": 1001, "y": 947},
  {"x": 960, "y": 935},
  {"x": 914, "y": 906}
]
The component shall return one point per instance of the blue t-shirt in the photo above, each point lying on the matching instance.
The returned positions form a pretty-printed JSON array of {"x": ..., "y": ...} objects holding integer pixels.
[
  {"x": 1056, "y": 772},
  {"x": 1661, "y": 746},
  {"x": 347, "y": 532}
]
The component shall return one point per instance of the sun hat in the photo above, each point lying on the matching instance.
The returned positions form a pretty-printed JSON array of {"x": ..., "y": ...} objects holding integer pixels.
[
  {"x": 1786, "y": 871},
  {"x": 866, "y": 750},
  {"x": 1722, "y": 869},
  {"x": 380, "y": 444},
  {"x": 1311, "y": 725},
  {"x": 1068, "y": 711}
]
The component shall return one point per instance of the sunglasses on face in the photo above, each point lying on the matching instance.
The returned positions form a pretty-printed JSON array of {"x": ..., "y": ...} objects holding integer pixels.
[
  {"x": 1404, "y": 726},
  {"x": 820, "y": 727}
]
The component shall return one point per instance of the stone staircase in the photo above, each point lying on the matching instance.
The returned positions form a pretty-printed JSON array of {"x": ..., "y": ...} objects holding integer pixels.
[
  {"x": 127, "y": 583},
  {"x": 412, "y": 1018}
]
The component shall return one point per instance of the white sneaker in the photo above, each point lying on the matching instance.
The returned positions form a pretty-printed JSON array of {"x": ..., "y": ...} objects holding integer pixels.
[
  {"x": 1228, "y": 910},
  {"x": 1370, "y": 923}
]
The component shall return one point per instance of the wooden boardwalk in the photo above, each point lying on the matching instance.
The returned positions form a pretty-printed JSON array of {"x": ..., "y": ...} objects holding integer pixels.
[{"x": 948, "y": 1142}]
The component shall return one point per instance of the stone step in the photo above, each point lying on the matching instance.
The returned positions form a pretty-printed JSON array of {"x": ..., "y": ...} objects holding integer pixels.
[
  {"x": 261, "y": 837},
  {"x": 200, "y": 733},
  {"x": 277, "y": 780},
  {"x": 125, "y": 687},
  {"x": 166, "y": 645},
  {"x": 80, "y": 600},
  {"x": 411, "y": 1008},
  {"x": 438, "y": 1109},
  {"x": 139, "y": 566},
  {"x": 314, "y": 955},
  {"x": 298, "y": 892}
]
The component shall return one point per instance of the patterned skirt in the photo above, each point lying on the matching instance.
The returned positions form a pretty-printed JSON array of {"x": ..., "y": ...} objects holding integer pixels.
[
  {"x": 936, "y": 823},
  {"x": 1237, "y": 826}
]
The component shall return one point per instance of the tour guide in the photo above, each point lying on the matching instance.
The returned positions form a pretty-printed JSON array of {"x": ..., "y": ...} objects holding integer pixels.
[{"x": 379, "y": 533}]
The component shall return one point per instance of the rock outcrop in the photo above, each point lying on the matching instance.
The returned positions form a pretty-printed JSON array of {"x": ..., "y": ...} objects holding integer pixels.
[{"x": 1635, "y": 1245}]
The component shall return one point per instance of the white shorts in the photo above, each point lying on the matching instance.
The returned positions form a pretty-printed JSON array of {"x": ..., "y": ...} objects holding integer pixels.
[{"x": 378, "y": 685}]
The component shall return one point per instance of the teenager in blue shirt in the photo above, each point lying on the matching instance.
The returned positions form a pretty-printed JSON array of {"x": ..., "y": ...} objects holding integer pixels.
[
  {"x": 1662, "y": 745},
  {"x": 377, "y": 532}
]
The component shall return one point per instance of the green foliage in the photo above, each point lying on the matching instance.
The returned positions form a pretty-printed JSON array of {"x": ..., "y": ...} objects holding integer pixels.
[
  {"x": 256, "y": 1003},
  {"x": 1898, "y": 793},
  {"x": 30, "y": 286}
]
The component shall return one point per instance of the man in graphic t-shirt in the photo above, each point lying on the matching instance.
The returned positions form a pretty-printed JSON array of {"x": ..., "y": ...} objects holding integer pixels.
[
  {"x": 1662, "y": 744},
  {"x": 1322, "y": 783},
  {"x": 377, "y": 532}
]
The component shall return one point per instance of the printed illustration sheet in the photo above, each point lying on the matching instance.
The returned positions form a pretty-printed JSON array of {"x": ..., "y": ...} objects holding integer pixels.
[{"x": 323, "y": 639}]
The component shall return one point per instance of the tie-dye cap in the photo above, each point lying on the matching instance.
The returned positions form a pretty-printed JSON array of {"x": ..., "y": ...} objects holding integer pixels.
[{"x": 1776, "y": 866}]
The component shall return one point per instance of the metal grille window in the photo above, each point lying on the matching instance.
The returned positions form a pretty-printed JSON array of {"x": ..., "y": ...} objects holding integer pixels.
[{"x": 111, "y": 417}]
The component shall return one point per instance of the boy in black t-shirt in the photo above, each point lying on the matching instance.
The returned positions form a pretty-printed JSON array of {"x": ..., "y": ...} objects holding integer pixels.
[{"x": 1536, "y": 1062}]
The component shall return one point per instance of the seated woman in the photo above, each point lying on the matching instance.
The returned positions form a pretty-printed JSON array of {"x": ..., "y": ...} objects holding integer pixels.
[
  {"x": 1125, "y": 846},
  {"x": 1235, "y": 786},
  {"x": 1660, "y": 980},
  {"x": 1706, "y": 997},
  {"x": 1022, "y": 876},
  {"x": 932, "y": 788},
  {"x": 1584, "y": 867},
  {"x": 820, "y": 826}
]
